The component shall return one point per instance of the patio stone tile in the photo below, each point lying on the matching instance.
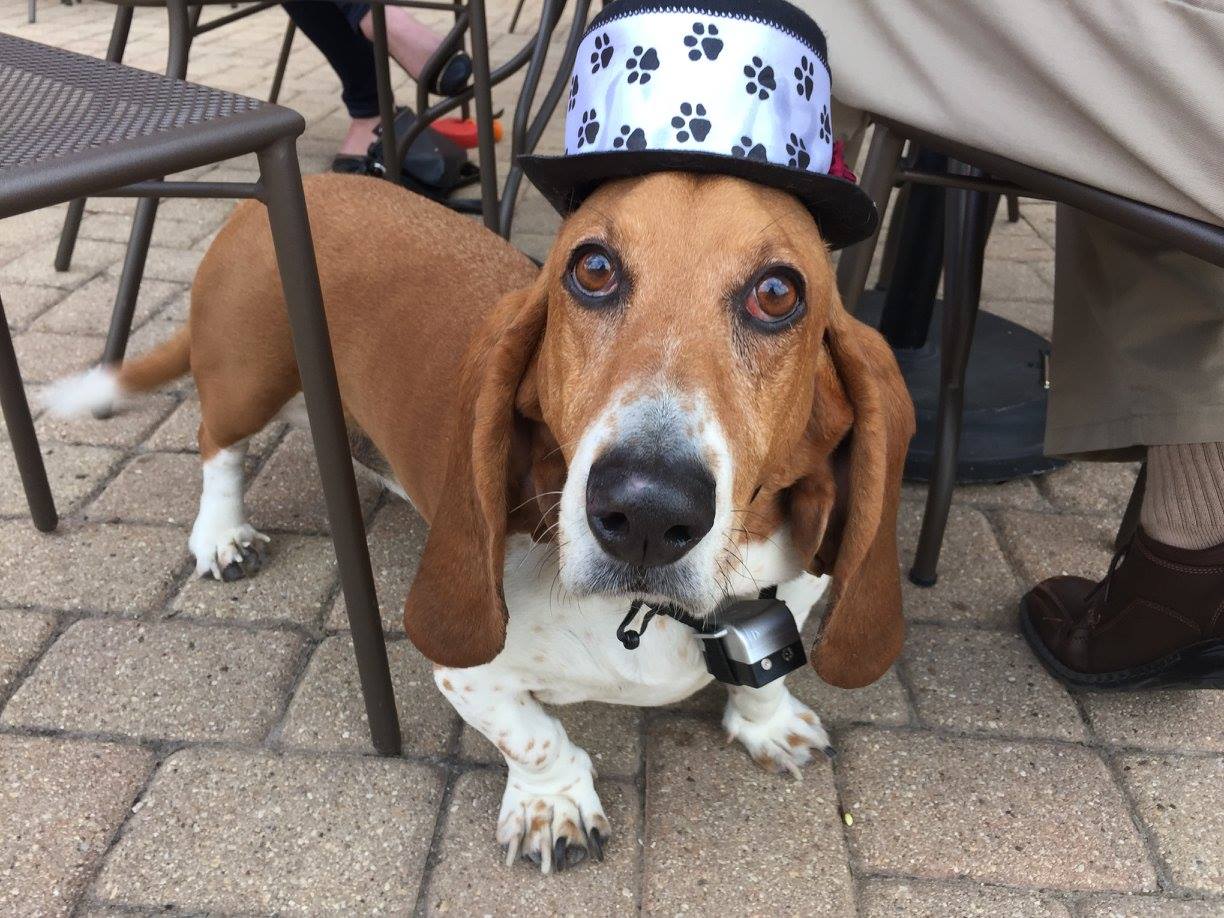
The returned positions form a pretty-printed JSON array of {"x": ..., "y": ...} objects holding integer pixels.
[
  {"x": 1173, "y": 721},
  {"x": 1018, "y": 246},
  {"x": 109, "y": 568},
  {"x": 1046, "y": 546},
  {"x": 60, "y": 803},
  {"x": 1150, "y": 907},
  {"x": 296, "y": 578},
  {"x": 22, "y": 229},
  {"x": 159, "y": 681},
  {"x": 287, "y": 493},
  {"x": 167, "y": 231},
  {"x": 327, "y": 712},
  {"x": 471, "y": 878},
  {"x": 179, "y": 432},
  {"x": 152, "y": 488},
  {"x": 987, "y": 682},
  {"x": 87, "y": 310},
  {"x": 989, "y": 810},
  {"x": 73, "y": 471},
  {"x": 1014, "y": 280},
  {"x": 882, "y": 702},
  {"x": 925, "y": 899},
  {"x": 709, "y": 804},
  {"x": 23, "y": 303},
  {"x": 1036, "y": 317},
  {"x": 126, "y": 428},
  {"x": 611, "y": 733},
  {"x": 1020, "y": 494},
  {"x": 236, "y": 831},
  {"x": 1093, "y": 487},
  {"x": 976, "y": 584},
  {"x": 166, "y": 264},
  {"x": 44, "y": 357},
  {"x": 1182, "y": 801},
  {"x": 396, "y": 538},
  {"x": 37, "y": 265},
  {"x": 22, "y": 635}
]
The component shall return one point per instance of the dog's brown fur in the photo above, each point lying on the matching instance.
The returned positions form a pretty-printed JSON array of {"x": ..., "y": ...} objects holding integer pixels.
[{"x": 475, "y": 375}]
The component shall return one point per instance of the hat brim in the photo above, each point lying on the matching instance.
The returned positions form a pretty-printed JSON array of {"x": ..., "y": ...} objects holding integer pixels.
[{"x": 842, "y": 210}]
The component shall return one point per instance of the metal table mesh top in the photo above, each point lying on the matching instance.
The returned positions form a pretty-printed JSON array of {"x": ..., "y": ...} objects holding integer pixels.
[{"x": 54, "y": 103}]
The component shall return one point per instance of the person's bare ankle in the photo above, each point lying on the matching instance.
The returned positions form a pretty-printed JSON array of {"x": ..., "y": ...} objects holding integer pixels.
[{"x": 359, "y": 137}]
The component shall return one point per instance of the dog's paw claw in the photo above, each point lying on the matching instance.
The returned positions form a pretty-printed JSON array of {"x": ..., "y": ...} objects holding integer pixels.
[
  {"x": 229, "y": 555},
  {"x": 785, "y": 742},
  {"x": 553, "y": 828}
]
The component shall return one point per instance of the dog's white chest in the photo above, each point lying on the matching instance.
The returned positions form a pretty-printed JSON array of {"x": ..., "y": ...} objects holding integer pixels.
[{"x": 565, "y": 650}]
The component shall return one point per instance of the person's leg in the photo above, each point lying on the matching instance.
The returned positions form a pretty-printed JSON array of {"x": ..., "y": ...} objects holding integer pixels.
[
  {"x": 1138, "y": 367},
  {"x": 352, "y": 58}
]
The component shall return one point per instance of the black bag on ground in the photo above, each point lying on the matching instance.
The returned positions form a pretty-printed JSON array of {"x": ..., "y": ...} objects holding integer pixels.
[{"x": 434, "y": 166}]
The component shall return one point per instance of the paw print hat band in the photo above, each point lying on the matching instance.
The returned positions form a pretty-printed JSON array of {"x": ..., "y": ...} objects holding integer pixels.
[{"x": 734, "y": 87}]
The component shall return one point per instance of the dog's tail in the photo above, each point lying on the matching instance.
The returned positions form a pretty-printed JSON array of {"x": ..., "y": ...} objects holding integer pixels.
[{"x": 104, "y": 388}]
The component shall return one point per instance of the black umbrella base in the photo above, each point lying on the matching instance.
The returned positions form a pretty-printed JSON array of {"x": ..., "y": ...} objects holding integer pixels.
[{"x": 1005, "y": 399}]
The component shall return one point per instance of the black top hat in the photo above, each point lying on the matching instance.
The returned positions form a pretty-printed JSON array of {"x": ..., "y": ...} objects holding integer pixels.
[{"x": 736, "y": 87}]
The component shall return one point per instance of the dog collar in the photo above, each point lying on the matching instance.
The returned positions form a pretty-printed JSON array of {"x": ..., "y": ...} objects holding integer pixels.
[{"x": 752, "y": 643}]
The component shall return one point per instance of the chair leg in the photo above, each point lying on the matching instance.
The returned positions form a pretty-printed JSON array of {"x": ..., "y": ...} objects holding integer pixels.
[
  {"x": 129, "y": 281},
  {"x": 282, "y": 61},
  {"x": 1130, "y": 519},
  {"x": 967, "y": 221},
  {"x": 514, "y": 17},
  {"x": 879, "y": 174},
  {"x": 21, "y": 434},
  {"x": 282, "y": 180},
  {"x": 32, "y": 11},
  {"x": 76, "y": 208},
  {"x": 1013, "y": 209},
  {"x": 386, "y": 98},
  {"x": 483, "y": 97}
]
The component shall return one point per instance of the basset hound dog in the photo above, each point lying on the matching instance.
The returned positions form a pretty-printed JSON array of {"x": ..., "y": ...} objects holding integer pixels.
[{"x": 675, "y": 408}]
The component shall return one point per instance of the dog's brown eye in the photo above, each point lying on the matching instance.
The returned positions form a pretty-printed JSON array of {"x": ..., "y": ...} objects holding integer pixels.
[
  {"x": 773, "y": 297},
  {"x": 594, "y": 272}
]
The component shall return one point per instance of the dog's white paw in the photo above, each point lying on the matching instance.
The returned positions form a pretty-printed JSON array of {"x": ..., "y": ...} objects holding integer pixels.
[
  {"x": 555, "y": 822},
  {"x": 785, "y": 741},
  {"x": 227, "y": 554}
]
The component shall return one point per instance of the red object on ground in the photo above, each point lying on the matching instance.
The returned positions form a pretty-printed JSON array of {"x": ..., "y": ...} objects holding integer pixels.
[{"x": 463, "y": 130}]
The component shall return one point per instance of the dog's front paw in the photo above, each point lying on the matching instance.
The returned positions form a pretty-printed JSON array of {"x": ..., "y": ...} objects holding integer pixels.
[
  {"x": 227, "y": 554},
  {"x": 784, "y": 742},
  {"x": 553, "y": 822}
]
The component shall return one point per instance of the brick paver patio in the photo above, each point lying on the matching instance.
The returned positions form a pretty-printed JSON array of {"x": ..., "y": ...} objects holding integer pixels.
[{"x": 173, "y": 745}]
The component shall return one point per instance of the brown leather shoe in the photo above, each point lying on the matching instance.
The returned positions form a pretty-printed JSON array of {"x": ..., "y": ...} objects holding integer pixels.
[{"x": 1155, "y": 621}]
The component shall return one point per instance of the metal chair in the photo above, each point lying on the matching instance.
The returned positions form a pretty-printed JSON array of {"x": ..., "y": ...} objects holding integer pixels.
[
  {"x": 976, "y": 176},
  {"x": 498, "y": 211},
  {"x": 72, "y": 126}
]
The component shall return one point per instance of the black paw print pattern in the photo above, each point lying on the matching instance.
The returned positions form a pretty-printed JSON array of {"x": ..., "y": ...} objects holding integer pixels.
[
  {"x": 588, "y": 129},
  {"x": 573, "y": 97},
  {"x": 643, "y": 61},
  {"x": 746, "y": 149},
  {"x": 602, "y": 55},
  {"x": 630, "y": 139},
  {"x": 826, "y": 126},
  {"x": 761, "y": 80},
  {"x": 798, "y": 152},
  {"x": 703, "y": 42},
  {"x": 691, "y": 120},
  {"x": 803, "y": 77}
]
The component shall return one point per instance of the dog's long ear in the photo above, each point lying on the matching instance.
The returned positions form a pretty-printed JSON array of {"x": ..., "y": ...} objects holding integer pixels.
[
  {"x": 455, "y": 612},
  {"x": 863, "y": 629}
]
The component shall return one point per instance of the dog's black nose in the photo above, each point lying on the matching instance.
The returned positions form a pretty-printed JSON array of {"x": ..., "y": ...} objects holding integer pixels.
[{"x": 648, "y": 510}]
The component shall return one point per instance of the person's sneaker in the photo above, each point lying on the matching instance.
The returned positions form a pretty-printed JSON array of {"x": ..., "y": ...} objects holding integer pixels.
[{"x": 1155, "y": 621}]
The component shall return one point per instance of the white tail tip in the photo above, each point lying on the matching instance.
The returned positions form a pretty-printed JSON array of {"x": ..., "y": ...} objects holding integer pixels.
[{"x": 92, "y": 391}]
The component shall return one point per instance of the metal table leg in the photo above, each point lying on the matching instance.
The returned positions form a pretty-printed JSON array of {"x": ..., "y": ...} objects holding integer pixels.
[
  {"x": 484, "y": 112},
  {"x": 386, "y": 98},
  {"x": 879, "y": 173},
  {"x": 282, "y": 180}
]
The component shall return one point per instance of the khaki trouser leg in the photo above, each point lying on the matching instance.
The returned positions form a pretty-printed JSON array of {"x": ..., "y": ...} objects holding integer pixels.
[{"x": 1138, "y": 343}]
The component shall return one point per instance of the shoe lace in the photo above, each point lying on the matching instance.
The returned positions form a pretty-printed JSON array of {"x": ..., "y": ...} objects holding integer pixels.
[{"x": 1103, "y": 588}]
